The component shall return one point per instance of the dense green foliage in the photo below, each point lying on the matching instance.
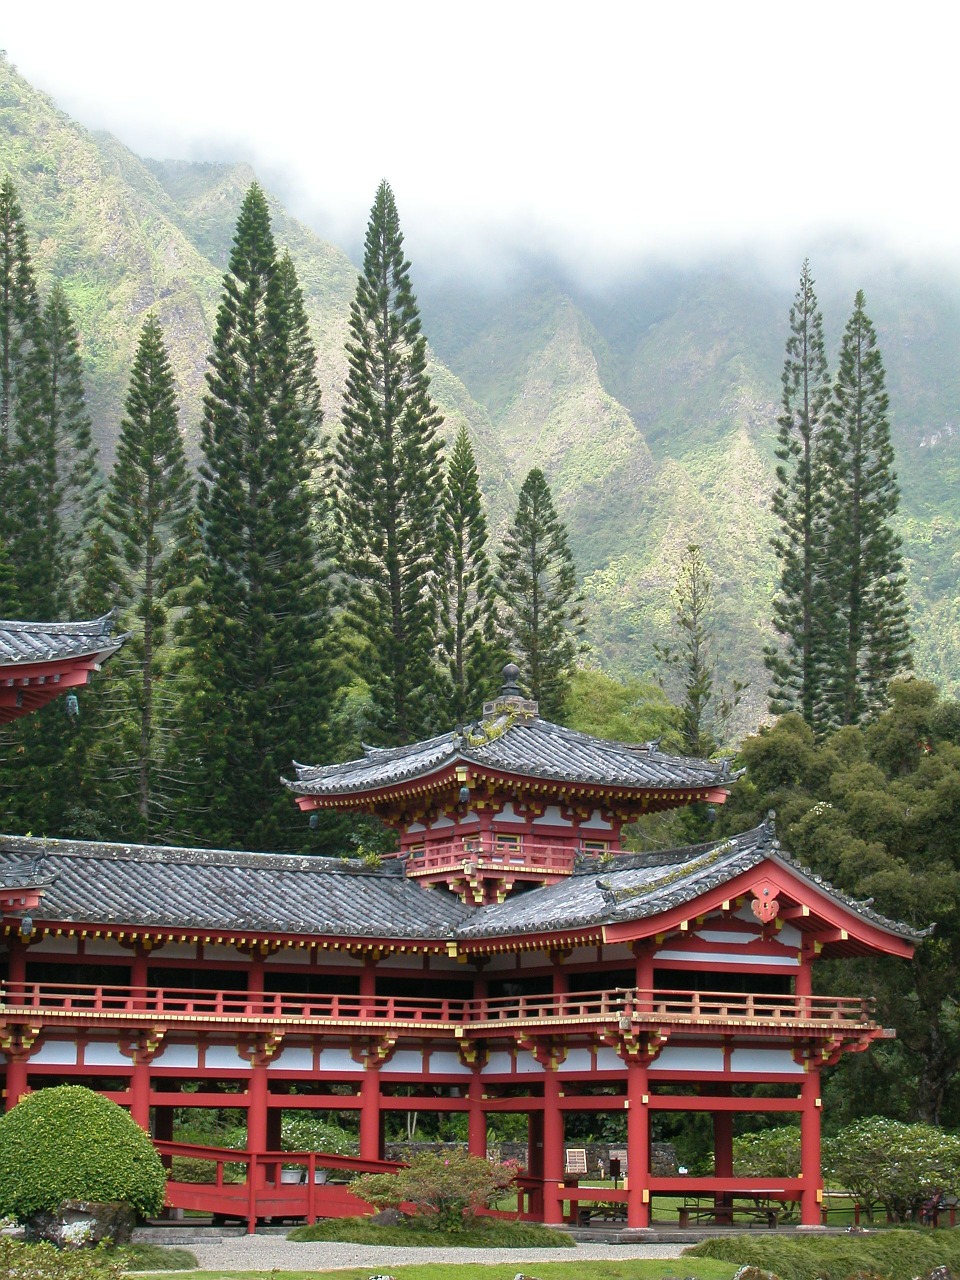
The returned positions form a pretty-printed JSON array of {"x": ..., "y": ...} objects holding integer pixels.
[
  {"x": 542, "y": 614},
  {"x": 768, "y": 1153},
  {"x": 877, "y": 812},
  {"x": 388, "y": 487},
  {"x": 896, "y": 1255},
  {"x": 798, "y": 507},
  {"x": 469, "y": 649},
  {"x": 257, "y": 678},
  {"x": 68, "y": 1143}
]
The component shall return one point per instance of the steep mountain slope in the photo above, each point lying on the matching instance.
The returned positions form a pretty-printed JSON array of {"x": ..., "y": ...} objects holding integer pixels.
[
  {"x": 660, "y": 423},
  {"x": 127, "y": 235},
  {"x": 650, "y": 403}
]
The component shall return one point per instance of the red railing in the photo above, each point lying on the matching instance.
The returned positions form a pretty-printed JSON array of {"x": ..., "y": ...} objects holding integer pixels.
[
  {"x": 251, "y": 1186},
  {"x": 452, "y": 1017},
  {"x": 556, "y": 859}
]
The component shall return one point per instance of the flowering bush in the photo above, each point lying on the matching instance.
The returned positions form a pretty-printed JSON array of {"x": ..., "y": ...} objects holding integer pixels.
[
  {"x": 445, "y": 1190},
  {"x": 898, "y": 1166}
]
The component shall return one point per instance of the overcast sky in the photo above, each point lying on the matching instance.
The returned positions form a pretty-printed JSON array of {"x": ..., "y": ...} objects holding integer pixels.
[{"x": 595, "y": 129}]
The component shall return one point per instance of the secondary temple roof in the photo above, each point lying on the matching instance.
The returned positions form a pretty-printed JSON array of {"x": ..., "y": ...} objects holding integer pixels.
[
  {"x": 26, "y": 643},
  {"x": 514, "y": 744},
  {"x": 209, "y": 890},
  {"x": 39, "y": 660}
]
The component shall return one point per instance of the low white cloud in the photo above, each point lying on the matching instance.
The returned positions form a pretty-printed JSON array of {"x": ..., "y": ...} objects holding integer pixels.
[{"x": 593, "y": 131}]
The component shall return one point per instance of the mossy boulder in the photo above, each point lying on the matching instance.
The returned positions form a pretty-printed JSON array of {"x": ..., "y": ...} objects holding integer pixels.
[{"x": 70, "y": 1144}]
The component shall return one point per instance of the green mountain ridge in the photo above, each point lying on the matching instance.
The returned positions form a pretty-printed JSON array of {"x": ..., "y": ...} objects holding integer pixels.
[{"x": 650, "y": 403}]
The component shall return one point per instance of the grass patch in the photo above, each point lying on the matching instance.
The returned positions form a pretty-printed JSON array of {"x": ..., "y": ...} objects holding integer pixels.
[
  {"x": 897, "y": 1254},
  {"x": 155, "y": 1257},
  {"x": 612, "y": 1269},
  {"x": 489, "y": 1233}
]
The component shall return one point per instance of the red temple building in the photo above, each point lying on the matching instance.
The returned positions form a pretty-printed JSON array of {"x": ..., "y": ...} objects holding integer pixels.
[{"x": 510, "y": 958}]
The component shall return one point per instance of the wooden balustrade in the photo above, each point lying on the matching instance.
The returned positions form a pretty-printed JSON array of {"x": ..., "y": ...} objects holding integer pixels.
[
  {"x": 133, "y": 1005},
  {"x": 531, "y": 855}
]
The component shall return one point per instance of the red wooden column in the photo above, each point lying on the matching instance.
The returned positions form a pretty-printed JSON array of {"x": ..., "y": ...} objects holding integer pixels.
[
  {"x": 722, "y": 1158},
  {"x": 138, "y": 972},
  {"x": 644, "y": 979},
  {"x": 810, "y": 1147},
  {"x": 552, "y": 1146},
  {"x": 255, "y": 977},
  {"x": 368, "y": 984},
  {"x": 638, "y": 1144},
  {"x": 16, "y": 1082},
  {"x": 803, "y": 983},
  {"x": 140, "y": 1088},
  {"x": 370, "y": 1127},
  {"x": 257, "y": 1093},
  {"x": 476, "y": 1120},
  {"x": 561, "y": 983}
]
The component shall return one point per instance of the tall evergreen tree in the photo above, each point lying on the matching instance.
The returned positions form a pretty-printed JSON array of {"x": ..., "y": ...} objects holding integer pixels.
[
  {"x": 471, "y": 649},
  {"x": 705, "y": 707},
  {"x": 868, "y": 639},
  {"x": 542, "y": 608},
  {"x": 56, "y": 464},
  {"x": 19, "y": 310},
  {"x": 258, "y": 687},
  {"x": 148, "y": 513},
  {"x": 798, "y": 507},
  {"x": 388, "y": 484}
]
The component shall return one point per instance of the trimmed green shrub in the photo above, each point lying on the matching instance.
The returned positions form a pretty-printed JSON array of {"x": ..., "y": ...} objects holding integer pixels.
[
  {"x": 897, "y": 1255},
  {"x": 69, "y": 1143}
]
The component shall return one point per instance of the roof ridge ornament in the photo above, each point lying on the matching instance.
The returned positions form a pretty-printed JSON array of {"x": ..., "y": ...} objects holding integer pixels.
[{"x": 511, "y": 699}]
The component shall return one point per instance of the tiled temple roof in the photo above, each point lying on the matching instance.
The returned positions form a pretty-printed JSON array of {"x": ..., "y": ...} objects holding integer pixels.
[
  {"x": 154, "y": 886},
  {"x": 639, "y": 886},
  {"x": 525, "y": 746},
  {"x": 202, "y": 889},
  {"x": 30, "y": 642}
]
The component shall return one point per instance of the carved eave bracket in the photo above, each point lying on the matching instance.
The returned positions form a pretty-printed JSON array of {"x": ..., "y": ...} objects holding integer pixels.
[
  {"x": 548, "y": 1051},
  {"x": 17, "y": 1039},
  {"x": 473, "y": 1054},
  {"x": 374, "y": 1051},
  {"x": 259, "y": 1049},
  {"x": 633, "y": 1044},
  {"x": 143, "y": 1046}
]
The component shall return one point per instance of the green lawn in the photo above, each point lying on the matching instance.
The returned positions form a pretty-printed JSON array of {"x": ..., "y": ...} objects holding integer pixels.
[{"x": 635, "y": 1269}]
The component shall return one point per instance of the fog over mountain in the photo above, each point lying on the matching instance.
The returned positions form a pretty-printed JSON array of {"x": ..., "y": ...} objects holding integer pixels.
[{"x": 648, "y": 393}]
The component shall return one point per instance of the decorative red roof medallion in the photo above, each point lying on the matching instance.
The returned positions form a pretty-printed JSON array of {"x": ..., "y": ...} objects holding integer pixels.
[{"x": 764, "y": 905}]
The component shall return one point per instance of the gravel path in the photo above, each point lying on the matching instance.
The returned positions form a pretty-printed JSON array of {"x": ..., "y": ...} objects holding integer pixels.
[{"x": 264, "y": 1253}]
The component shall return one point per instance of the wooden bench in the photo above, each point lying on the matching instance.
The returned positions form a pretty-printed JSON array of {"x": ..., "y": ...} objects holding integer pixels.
[
  {"x": 576, "y": 1163},
  {"x": 605, "y": 1210},
  {"x": 756, "y": 1211}
]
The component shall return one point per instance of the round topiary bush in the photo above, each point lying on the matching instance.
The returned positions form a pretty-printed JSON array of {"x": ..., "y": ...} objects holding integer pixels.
[{"x": 68, "y": 1143}]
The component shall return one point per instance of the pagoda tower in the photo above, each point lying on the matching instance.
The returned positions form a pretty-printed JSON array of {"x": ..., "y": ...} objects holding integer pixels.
[{"x": 510, "y": 801}]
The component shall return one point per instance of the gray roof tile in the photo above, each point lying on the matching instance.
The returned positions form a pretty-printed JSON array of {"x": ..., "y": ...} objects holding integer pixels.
[
  {"x": 202, "y": 889},
  {"x": 28, "y": 642},
  {"x": 533, "y": 748}
]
